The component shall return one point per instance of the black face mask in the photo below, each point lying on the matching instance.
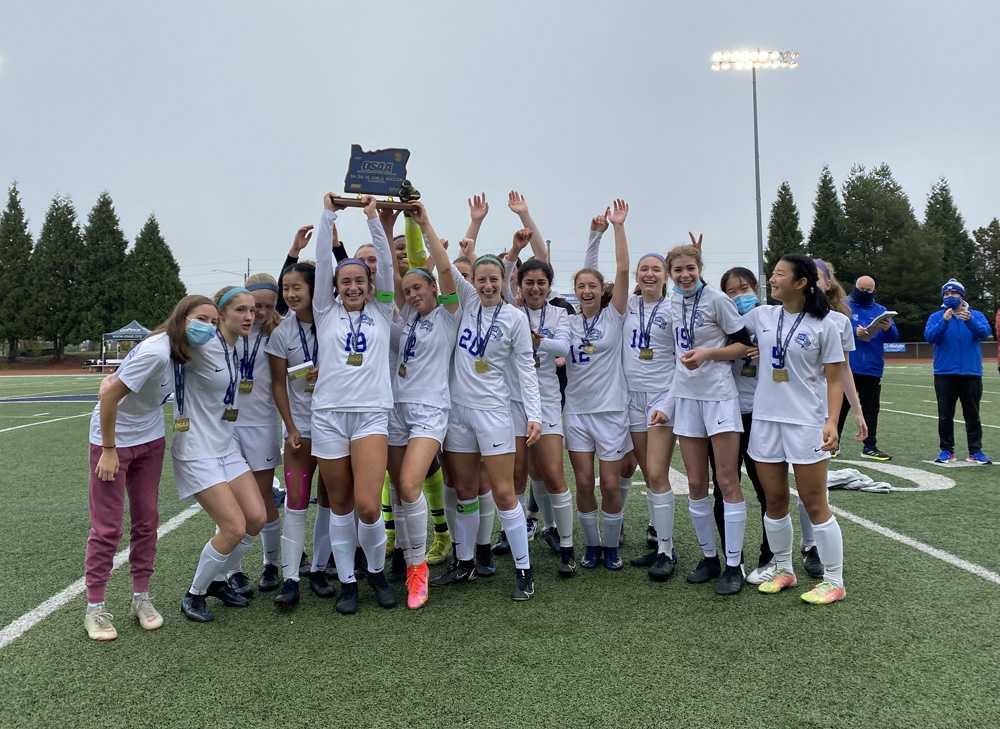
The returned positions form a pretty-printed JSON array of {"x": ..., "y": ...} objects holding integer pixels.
[{"x": 863, "y": 297}]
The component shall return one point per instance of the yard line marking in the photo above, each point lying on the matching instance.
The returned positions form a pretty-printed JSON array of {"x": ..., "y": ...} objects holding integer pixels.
[
  {"x": 47, "y": 402},
  {"x": 40, "y": 415},
  {"x": 932, "y": 417},
  {"x": 41, "y": 422},
  {"x": 31, "y": 618},
  {"x": 929, "y": 387}
]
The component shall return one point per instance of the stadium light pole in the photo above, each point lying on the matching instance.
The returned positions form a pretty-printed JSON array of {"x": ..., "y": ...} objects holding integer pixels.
[{"x": 750, "y": 59}]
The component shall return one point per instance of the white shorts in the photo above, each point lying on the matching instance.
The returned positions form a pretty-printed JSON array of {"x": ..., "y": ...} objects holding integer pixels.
[
  {"x": 705, "y": 418},
  {"x": 193, "y": 477},
  {"x": 772, "y": 442},
  {"x": 259, "y": 445},
  {"x": 551, "y": 419},
  {"x": 416, "y": 420},
  {"x": 605, "y": 434},
  {"x": 486, "y": 432},
  {"x": 333, "y": 431},
  {"x": 641, "y": 406}
]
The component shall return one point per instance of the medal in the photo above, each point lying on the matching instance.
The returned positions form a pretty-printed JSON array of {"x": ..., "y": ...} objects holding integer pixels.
[
  {"x": 482, "y": 366},
  {"x": 588, "y": 329},
  {"x": 230, "y": 415},
  {"x": 588, "y": 348},
  {"x": 779, "y": 375},
  {"x": 536, "y": 336},
  {"x": 233, "y": 366},
  {"x": 779, "y": 350},
  {"x": 246, "y": 386},
  {"x": 402, "y": 370},
  {"x": 688, "y": 341},
  {"x": 182, "y": 425},
  {"x": 354, "y": 359},
  {"x": 247, "y": 363},
  {"x": 646, "y": 354},
  {"x": 750, "y": 370}
]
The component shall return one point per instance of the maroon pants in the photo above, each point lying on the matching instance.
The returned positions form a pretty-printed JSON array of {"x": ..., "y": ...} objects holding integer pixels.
[{"x": 138, "y": 474}]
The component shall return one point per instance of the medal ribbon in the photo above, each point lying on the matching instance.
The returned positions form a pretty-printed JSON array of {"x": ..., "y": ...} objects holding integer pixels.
[
  {"x": 479, "y": 329},
  {"x": 233, "y": 367},
  {"x": 780, "y": 348},
  {"x": 644, "y": 330}
]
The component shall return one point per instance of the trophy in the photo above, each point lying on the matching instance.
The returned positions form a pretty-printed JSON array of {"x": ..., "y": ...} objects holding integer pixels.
[{"x": 381, "y": 173}]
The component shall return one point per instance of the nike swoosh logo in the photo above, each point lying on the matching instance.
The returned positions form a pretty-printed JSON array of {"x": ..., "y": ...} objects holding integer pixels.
[
  {"x": 497, "y": 445},
  {"x": 164, "y": 384},
  {"x": 551, "y": 425},
  {"x": 619, "y": 450},
  {"x": 720, "y": 422},
  {"x": 765, "y": 330},
  {"x": 268, "y": 459},
  {"x": 218, "y": 369}
]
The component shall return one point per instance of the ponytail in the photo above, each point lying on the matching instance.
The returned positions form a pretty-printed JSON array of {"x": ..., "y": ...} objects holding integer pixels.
[{"x": 815, "y": 303}]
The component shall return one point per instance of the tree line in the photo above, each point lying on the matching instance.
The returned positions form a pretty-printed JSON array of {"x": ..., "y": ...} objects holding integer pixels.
[
  {"x": 869, "y": 227},
  {"x": 78, "y": 283}
]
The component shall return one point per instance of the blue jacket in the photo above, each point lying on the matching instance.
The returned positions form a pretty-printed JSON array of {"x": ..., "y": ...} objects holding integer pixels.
[
  {"x": 869, "y": 358},
  {"x": 956, "y": 343}
]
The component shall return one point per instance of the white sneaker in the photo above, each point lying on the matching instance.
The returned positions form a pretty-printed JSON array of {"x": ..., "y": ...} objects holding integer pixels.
[
  {"x": 97, "y": 623},
  {"x": 143, "y": 611},
  {"x": 762, "y": 574}
]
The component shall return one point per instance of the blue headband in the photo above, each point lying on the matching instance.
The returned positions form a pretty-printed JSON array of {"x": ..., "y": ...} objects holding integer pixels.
[
  {"x": 349, "y": 261},
  {"x": 423, "y": 272},
  {"x": 656, "y": 256},
  {"x": 262, "y": 286},
  {"x": 231, "y": 293}
]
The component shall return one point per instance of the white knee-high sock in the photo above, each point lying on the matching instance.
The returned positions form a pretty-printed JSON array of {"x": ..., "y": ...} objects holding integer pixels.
[
  {"x": 544, "y": 502},
  {"x": 806, "y": 527},
  {"x": 450, "y": 507},
  {"x": 415, "y": 519},
  {"x": 779, "y": 537},
  {"x": 270, "y": 541},
  {"x": 321, "y": 539},
  {"x": 372, "y": 539},
  {"x": 466, "y": 527},
  {"x": 661, "y": 509},
  {"x": 624, "y": 483},
  {"x": 293, "y": 538},
  {"x": 235, "y": 558},
  {"x": 588, "y": 523},
  {"x": 830, "y": 545},
  {"x": 735, "y": 516},
  {"x": 515, "y": 526},
  {"x": 562, "y": 512},
  {"x": 487, "y": 514},
  {"x": 704, "y": 524},
  {"x": 402, "y": 533},
  {"x": 210, "y": 563},
  {"x": 343, "y": 536},
  {"x": 611, "y": 528}
]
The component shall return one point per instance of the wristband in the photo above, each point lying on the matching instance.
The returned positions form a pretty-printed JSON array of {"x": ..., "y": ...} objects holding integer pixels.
[
  {"x": 105, "y": 448},
  {"x": 451, "y": 298},
  {"x": 385, "y": 297}
]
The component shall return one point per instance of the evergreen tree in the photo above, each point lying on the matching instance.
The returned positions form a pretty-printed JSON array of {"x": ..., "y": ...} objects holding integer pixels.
[
  {"x": 152, "y": 280},
  {"x": 986, "y": 276},
  {"x": 102, "y": 270},
  {"x": 783, "y": 233},
  {"x": 826, "y": 238},
  {"x": 946, "y": 228},
  {"x": 15, "y": 273},
  {"x": 56, "y": 275}
]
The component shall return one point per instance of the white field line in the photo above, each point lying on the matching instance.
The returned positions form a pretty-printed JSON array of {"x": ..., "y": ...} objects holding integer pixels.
[
  {"x": 928, "y": 387},
  {"x": 932, "y": 417},
  {"x": 31, "y": 618},
  {"x": 47, "y": 402},
  {"x": 18, "y": 377},
  {"x": 42, "y": 422}
]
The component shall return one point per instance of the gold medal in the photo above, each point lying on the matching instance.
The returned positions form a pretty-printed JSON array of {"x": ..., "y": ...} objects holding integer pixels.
[
  {"x": 230, "y": 415},
  {"x": 646, "y": 353},
  {"x": 402, "y": 369},
  {"x": 354, "y": 359},
  {"x": 182, "y": 425},
  {"x": 482, "y": 366},
  {"x": 779, "y": 375},
  {"x": 310, "y": 386},
  {"x": 588, "y": 348},
  {"x": 750, "y": 371},
  {"x": 246, "y": 386}
]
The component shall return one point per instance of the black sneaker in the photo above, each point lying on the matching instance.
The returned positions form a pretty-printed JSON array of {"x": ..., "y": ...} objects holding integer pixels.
[
  {"x": 384, "y": 594},
  {"x": 707, "y": 569},
  {"x": 550, "y": 535},
  {"x": 268, "y": 581},
  {"x": 360, "y": 564},
  {"x": 459, "y": 573},
  {"x": 320, "y": 585},
  {"x": 645, "y": 560},
  {"x": 651, "y": 539},
  {"x": 195, "y": 608},
  {"x": 811, "y": 562},
  {"x": 347, "y": 603},
  {"x": 397, "y": 566},
  {"x": 730, "y": 581},
  {"x": 502, "y": 546},
  {"x": 591, "y": 557},
  {"x": 663, "y": 567},
  {"x": 288, "y": 596},
  {"x": 567, "y": 562},
  {"x": 304, "y": 564},
  {"x": 486, "y": 566},
  {"x": 331, "y": 567},
  {"x": 240, "y": 584},
  {"x": 524, "y": 585},
  {"x": 230, "y": 598},
  {"x": 611, "y": 559},
  {"x": 875, "y": 454}
]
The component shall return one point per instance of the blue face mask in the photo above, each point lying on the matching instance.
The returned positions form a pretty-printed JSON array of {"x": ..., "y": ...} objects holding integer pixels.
[
  {"x": 745, "y": 302},
  {"x": 952, "y": 301},
  {"x": 691, "y": 291},
  {"x": 863, "y": 297},
  {"x": 199, "y": 332}
]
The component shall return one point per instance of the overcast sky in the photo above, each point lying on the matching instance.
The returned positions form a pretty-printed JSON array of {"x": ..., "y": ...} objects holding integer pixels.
[{"x": 230, "y": 119}]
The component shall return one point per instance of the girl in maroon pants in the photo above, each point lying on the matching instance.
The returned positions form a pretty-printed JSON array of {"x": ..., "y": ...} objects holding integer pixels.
[{"x": 126, "y": 456}]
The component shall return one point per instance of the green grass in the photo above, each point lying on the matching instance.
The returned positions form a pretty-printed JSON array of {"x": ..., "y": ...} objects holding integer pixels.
[{"x": 915, "y": 643}]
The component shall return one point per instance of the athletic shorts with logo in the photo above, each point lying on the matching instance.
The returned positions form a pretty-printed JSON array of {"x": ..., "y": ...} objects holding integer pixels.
[
  {"x": 260, "y": 445},
  {"x": 487, "y": 432},
  {"x": 774, "y": 442},
  {"x": 605, "y": 434},
  {"x": 333, "y": 430},
  {"x": 416, "y": 420},
  {"x": 551, "y": 419},
  {"x": 194, "y": 476},
  {"x": 640, "y": 409},
  {"x": 705, "y": 418}
]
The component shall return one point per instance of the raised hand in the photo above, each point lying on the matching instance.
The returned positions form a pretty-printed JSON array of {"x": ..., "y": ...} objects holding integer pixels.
[
  {"x": 329, "y": 204},
  {"x": 478, "y": 207},
  {"x": 600, "y": 222},
  {"x": 517, "y": 203},
  {"x": 522, "y": 238},
  {"x": 388, "y": 217},
  {"x": 419, "y": 214},
  {"x": 619, "y": 213},
  {"x": 371, "y": 212},
  {"x": 695, "y": 241},
  {"x": 467, "y": 247},
  {"x": 302, "y": 237}
]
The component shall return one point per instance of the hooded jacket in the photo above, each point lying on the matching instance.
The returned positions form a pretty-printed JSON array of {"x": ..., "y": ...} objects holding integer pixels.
[{"x": 956, "y": 342}]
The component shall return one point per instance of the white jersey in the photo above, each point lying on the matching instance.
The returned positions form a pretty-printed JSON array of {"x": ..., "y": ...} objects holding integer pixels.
[
  {"x": 146, "y": 371},
  {"x": 703, "y": 320},
  {"x": 295, "y": 342},
  {"x": 352, "y": 336},
  {"x": 503, "y": 331},
  {"x": 551, "y": 324},
  {"x": 845, "y": 328},
  {"x": 256, "y": 406},
  {"x": 815, "y": 342},
  {"x": 595, "y": 378},
  {"x": 648, "y": 327},
  {"x": 423, "y": 351},
  {"x": 212, "y": 372}
]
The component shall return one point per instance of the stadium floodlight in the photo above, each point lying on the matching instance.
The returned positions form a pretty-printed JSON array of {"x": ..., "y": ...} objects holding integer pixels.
[{"x": 751, "y": 59}]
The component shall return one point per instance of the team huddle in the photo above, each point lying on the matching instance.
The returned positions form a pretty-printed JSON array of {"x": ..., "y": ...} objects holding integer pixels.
[{"x": 424, "y": 388}]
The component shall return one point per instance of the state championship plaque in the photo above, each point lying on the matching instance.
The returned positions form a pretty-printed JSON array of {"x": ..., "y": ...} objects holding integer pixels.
[{"x": 382, "y": 173}]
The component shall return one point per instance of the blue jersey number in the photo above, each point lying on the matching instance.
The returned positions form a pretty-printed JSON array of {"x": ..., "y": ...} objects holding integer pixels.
[
  {"x": 361, "y": 345},
  {"x": 681, "y": 337},
  {"x": 473, "y": 345},
  {"x": 579, "y": 356}
]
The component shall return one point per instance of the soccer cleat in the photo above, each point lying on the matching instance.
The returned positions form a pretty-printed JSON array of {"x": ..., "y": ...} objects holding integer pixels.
[
  {"x": 524, "y": 585},
  {"x": 440, "y": 548},
  {"x": 416, "y": 585},
  {"x": 824, "y": 593},
  {"x": 532, "y": 525},
  {"x": 384, "y": 594},
  {"x": 811, "y": 562},
  {"x": 875, "y": 454},
  {"x": 304, "y": 563},
  {"x": 460, "y": 572},
  {"x": 946, "y": 457},
  {"x": 762, "y": 574},
  {"x": 779, "y": 579},
  {"x": 230, "y": 598},
  {"x": 835, "y": 453},
  {"x": 502, "y": 546},
  {"x": 195, "y": 608},
  {"x": 268, "y": 581},
  {"x": 288, "y": 596},
  {"x": 97, "y": 623},
  {"x": 397, "y": 566},
  {"x": 979, "y": 457},
  {"x": 360, "y": 564},
  {"x": 550, "y": 535},
  {"x": 591, "y": 557},
  {"x": 567, "y": 562},
  {"x": 611, "y": 559},
  {"x": 651, "y": 539},
  {"x": 331, "y": 568},
  {"x": 320, "y": 585},
  {"x": 730, "y": 581},
  {"x": 347, "y": 603},
  {"x": 240, "y": 584},
  {"x": 645, "y": 560},
  {"x": 663, "y": 567},
  {"x": 486, "y": 566},
  {"x": 707, "y": 569},
  {"x": 142, "y": 610}
]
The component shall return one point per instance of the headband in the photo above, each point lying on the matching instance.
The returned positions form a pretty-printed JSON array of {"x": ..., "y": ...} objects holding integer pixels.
[
  {"x": 262, "y": 286},
  {"x": 349, "y": 261},
  {"x": 657, "y": 256},
  {"x": 234, "y": 291},
  {"x": 422, "y": 272},
  {"x": 488, "y": 258},
  {"x": 822, "y": 267}
]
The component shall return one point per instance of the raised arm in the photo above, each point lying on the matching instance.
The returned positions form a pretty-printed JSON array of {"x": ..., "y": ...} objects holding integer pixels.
[
  {"x": 619, "y": 297},
  {"x": 520, "y": 241},
  {"x": 519, "y": 205},
  {"x": 301, "y": 240},
  {"x": 326, "y": 238},
  {"x": 383, "y": 253},
  {"x": 478, "y": 208},
  {"x": 446, "y": 281},
  {"x": 598, "y": 224}
]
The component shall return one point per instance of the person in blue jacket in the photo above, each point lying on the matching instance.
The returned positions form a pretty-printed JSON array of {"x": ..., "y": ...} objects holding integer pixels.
[
  {"x": 868, "y": 361},
  {"x": 956, "y": 331}
]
